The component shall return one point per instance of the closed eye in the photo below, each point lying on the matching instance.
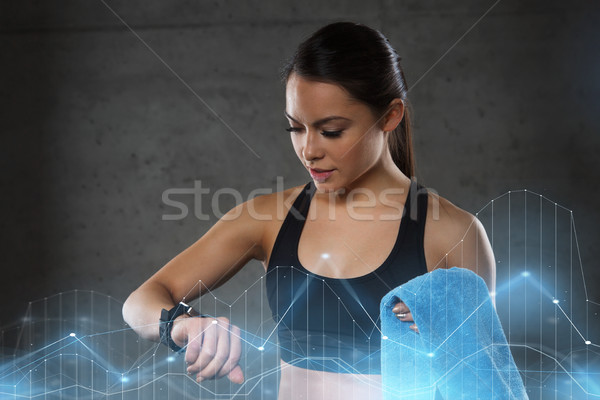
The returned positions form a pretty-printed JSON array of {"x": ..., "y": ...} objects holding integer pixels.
[{"x": 324, "y": 133}]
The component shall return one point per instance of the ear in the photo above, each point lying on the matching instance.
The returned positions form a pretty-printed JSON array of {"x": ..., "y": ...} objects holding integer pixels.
[{"x": 394, "y": 115}]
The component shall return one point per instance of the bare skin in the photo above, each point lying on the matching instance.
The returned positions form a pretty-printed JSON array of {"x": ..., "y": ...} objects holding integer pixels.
[
  {"x": 363, "y": 238},
  {"x": 452, "y": 222}
]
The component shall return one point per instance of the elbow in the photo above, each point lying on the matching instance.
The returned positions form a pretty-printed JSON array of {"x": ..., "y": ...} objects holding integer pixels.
[
  {"x": 141, "y": 310},
  {"x": 133, "y": 312},
  {"x": 132, "y": 315},
  {"x": 126, "y": 311}
]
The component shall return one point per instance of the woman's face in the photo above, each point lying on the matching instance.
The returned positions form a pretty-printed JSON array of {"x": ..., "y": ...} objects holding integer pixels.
[{"x": 331, "y": 131}]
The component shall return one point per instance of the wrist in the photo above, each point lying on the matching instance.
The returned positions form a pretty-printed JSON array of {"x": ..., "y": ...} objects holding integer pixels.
[
  {"x": 166, "y": 322},
  {"x": 178, "y": 330}
]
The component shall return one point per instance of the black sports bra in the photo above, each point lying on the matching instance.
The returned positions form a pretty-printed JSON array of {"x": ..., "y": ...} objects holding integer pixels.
[{"x": 333, "y": 324}]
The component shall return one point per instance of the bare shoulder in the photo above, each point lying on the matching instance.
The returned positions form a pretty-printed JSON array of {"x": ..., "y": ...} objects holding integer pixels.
[
  {"x": 456, "y": 237},
  {"x": 268, "y": 202},
  {"x": 445, "y": 220},
  {"x": 270, "y": 209},
  {"x": 273, "y": 206},
  {"x": 235, "y": 239}
]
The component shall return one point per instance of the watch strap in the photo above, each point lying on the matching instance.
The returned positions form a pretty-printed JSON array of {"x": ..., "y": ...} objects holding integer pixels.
[{"x": 166, "y": 324}]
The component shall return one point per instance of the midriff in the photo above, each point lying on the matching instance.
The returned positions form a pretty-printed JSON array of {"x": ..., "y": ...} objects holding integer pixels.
[{"x": 306, "y": 384}]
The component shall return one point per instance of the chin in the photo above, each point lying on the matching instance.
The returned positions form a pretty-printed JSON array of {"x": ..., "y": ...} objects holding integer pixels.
[{"x": 326, "y": 187}]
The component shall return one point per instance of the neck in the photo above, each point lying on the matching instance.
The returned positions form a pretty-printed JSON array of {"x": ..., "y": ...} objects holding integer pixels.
[{"x": 382, "y": 176}]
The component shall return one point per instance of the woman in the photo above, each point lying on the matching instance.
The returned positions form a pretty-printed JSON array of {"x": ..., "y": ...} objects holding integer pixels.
[{"x": 346, "y": 102}]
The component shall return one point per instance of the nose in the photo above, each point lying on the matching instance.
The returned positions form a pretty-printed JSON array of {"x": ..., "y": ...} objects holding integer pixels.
[{"x": 312, "y": 146}]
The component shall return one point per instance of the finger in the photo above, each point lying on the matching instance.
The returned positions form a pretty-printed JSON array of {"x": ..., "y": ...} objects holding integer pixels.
[
  {"x": 235, "y": 352},
  {"x": 226, "y": 368},
  {"x": 192, "y": 350},
  {"x": 195, "y": 338},
  {"x": 179, "y": 331},
  {"x": 194, "y": 343},
  {"x": 221, "y": 353},
  {"x": 207, "y": 349},
  {"x": 236, "y": 375}
]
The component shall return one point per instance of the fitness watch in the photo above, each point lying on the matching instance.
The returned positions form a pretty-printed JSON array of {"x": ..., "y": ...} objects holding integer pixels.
[{"x": 166, "y": 324}]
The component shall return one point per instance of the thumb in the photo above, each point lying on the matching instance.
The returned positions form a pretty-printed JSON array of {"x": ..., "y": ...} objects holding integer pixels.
[{"x": 236, "y": 375}]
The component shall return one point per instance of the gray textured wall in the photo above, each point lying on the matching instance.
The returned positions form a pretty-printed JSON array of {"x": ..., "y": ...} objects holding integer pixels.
[{"x": 102, "y": 110}]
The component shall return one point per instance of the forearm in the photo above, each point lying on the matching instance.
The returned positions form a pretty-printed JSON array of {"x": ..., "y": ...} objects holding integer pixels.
[{"x": 143, "y": 307}]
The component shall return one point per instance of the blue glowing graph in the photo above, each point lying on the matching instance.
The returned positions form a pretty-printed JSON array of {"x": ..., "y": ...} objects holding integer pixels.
[{"x": 75, "y": 345}]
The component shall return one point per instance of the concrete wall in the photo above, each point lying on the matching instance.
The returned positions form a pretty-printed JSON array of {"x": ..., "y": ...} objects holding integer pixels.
[{"x": 105, "y": 105}]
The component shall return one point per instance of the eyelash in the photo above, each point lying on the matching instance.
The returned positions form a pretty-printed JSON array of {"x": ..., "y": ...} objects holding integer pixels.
[{"x": 325, "y": 133}]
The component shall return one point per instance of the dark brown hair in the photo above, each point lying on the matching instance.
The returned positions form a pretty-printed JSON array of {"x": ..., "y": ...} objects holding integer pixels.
[{"x": 362, "y": 61}]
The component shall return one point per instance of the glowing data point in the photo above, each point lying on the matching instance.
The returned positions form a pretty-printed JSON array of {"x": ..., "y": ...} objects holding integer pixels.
[
  {"x": 215, "y": 321},
  {"x": 555, "y": 301},
  {"x": 170, "y": 359},
  {"x": 525, "y": 273},
  {"x": 261, "y": 348},
  {"x": 72, "y": 334},
  {"x": 384, "y": 337},
  {"x": 325, "y": 255},
  {"x": 430, "y": 354},
  {"x": 124, "y": 379},
  {"x": 588, "y": 342}
]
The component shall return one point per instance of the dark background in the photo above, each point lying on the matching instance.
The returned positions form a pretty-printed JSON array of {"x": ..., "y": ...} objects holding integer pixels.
[{"x": 105, "y": 105}]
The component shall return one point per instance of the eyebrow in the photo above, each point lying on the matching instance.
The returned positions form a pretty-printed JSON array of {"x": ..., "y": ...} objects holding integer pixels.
[{"x": 319, "y": 122}]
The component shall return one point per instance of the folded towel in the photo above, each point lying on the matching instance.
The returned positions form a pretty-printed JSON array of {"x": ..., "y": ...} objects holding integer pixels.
[{"x": 460, "y": 350}]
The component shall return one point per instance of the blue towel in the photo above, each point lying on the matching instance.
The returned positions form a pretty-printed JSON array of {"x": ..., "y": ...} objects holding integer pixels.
[{"x": 460, "y": 350}]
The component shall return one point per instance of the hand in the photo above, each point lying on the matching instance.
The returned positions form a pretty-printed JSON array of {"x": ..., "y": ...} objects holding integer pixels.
[
  {"x": 213, "y": 347},
  {"x": 403, "y": 314}
]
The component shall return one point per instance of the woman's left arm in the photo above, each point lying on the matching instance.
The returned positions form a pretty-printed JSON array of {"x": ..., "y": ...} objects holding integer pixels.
[
  {"x": 473, "y": 251},
  {"x": 466, "y": 245}
]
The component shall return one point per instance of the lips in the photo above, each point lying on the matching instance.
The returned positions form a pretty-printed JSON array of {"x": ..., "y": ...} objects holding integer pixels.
[
  {"x": 320, "y": 170},
  {"x": 320, "y": 175}
]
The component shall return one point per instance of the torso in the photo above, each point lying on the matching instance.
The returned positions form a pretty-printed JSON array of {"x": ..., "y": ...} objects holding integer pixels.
[
  {"x": 360, "y": 246},
  {"x": 370, "y": 243}
]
